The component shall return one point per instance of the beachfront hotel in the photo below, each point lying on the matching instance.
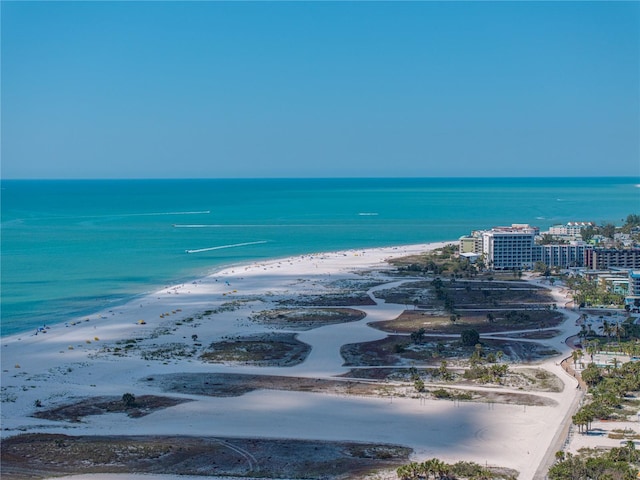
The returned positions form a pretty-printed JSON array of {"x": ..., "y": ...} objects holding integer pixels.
[
  {"x": 509, "y": 248},
  {"x": 514, "y": 248}
]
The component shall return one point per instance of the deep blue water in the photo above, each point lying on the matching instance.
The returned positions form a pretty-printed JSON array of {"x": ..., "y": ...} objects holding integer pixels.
[{"x": 73, "y": 247}]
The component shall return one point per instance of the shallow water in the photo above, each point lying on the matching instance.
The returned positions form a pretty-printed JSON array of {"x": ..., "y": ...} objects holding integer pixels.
[{"x": 73, "y": 247}]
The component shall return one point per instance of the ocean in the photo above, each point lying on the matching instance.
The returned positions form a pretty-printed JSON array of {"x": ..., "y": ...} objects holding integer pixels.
[{"x": 73, "y": 247}]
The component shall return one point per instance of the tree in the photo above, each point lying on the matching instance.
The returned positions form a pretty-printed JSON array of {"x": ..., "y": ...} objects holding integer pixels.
[
  {"x": 547, "y": 239},
  {"x": 587, "y": 233},
  {"x": 469, "y": 338},
  {"x": 608, "y": 230},
  {"x": 632, "y": 221},
  {"x": 591, "y": 375},
  {"x": 129, "y": 400},
  {"x": 619, "y": 330},
  {"x": 443, "y": 372},
  {"x": 540, "y": 267},
  {"x": 418, "y": 335},
  {"x": 574, "y": 357}
]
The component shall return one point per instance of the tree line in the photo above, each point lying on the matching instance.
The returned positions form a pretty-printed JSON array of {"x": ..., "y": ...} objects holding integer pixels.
[{"x": 438, "y": 470}]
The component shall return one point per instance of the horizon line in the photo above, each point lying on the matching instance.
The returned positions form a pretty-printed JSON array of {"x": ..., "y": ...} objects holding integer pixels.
[{"x": 442, "y": 177}]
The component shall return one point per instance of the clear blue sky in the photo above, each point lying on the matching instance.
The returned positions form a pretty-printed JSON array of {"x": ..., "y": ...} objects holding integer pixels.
[{"x": 327, "y": 89}]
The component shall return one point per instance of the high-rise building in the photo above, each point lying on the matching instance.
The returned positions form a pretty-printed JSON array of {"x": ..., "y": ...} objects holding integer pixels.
[{"x": 509, "y": 248}]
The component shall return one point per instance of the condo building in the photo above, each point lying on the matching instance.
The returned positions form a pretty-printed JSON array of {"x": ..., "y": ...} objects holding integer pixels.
[
  {"x": 634, "y": 283},
  {"x": 632, "y": 300},
  {"x": 571, "y": 229},
  {"x": 563, "y": 255},
  {"x": 471, "y": 243},
  {"x": 514, "y": 248},
  {"x": 605, "y": 258},
  {"x": 509, "y": 248}
]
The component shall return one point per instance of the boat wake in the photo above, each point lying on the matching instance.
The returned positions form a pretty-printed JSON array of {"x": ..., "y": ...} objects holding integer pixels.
[{"x": 198, "y": 250}]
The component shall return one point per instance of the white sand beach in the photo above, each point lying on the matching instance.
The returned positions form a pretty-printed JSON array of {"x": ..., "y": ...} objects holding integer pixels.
[{"x": 68, "y": 362}]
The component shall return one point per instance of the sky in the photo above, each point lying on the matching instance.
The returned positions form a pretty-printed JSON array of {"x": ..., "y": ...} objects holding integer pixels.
[{"x": 319, "y": 89}]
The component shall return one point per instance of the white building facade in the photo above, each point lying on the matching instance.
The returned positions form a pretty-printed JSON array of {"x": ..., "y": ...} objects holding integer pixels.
[
  {"x": 563, "y": 256},
  {"x": 509, "y": 248},
  {"x": 572, "y": 229}
]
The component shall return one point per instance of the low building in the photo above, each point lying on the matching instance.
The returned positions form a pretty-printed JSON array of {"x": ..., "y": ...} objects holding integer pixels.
[
  {"x": 470, "y": 256},
  {"x": 471, "y": 243},
  {"x": 572, "y": 229}
]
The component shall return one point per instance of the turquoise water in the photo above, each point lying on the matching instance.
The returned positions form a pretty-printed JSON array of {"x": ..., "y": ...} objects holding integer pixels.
[{"x": 73, "y": 247}]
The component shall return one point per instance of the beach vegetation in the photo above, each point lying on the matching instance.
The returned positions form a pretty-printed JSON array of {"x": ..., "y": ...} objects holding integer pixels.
[
  {"x": 441, "y": 261},
  {"x": 169, "y": 351},
  {"x": 128, "y": 400},
  {"x": 418, "y": 336},
  {"x": 608, "y": 393},
  {"x": 591, "y": 292},
  {"x": 469, "y": 337},
  {"x": 281, "y": 349},
  {"x": 398, "y": 348},
  {"x": 439, "y": 470},
  {"x": 619, "y": 463},
  {"x": 306, "y": 318},
  {"x": 442, "y": 372},
  {"x": 487, "y": 374}
]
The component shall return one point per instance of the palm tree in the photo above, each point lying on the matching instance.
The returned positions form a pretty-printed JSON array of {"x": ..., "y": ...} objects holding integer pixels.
[
  {"x": 619, "y": 331},
  {"x": 592, "y": 348},
  {"x": 583, "y": 332},
  {"x": 439, "y": 468},
  {"x": 606, "y": 328},
  {"x": 580, "y": 354},
  {"x": 616, "y": 362}
]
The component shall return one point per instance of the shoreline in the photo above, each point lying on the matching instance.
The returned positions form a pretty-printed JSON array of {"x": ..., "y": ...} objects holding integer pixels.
[
  {"x": 70, "y": 362},
  {"x": 212, "y": 272}
]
